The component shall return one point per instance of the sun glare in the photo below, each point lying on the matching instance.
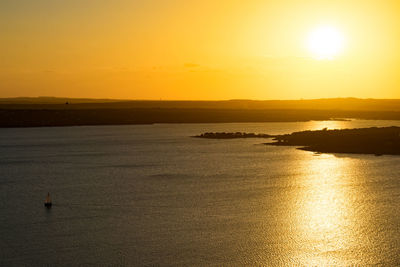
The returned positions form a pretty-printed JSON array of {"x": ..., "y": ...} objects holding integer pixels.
[{"x": 325, "y": 42}]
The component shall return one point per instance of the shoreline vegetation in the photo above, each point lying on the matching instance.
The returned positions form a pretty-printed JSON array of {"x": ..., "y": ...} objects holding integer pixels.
[
  {"x": 47, "y": 111},
  {"x": 374, "y": 140}
]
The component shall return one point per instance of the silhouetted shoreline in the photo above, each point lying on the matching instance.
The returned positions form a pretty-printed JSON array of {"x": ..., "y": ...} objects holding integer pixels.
[
  {"x": 377, "y": 141},
  {"x": 126, "y": 116},
  {"x": 47, "y": 112},
  {"x": 374, "y": 140},
  {"x": 79, "y": 117}
]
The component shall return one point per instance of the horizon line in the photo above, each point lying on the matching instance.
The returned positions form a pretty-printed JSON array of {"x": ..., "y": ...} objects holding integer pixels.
[{"x": 191, "y": 100}]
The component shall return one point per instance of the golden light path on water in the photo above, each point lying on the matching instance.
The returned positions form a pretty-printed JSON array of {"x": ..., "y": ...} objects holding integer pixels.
[
  {"x": 318, "y": 125},
  {"x": 328, "y": 209},
  {"x": 323, "y": 209},
  {"x": 326, "y": 212}
]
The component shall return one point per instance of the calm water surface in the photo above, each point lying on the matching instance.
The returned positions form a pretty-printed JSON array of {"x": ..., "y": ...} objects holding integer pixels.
[{"x": 151, "y": 195}]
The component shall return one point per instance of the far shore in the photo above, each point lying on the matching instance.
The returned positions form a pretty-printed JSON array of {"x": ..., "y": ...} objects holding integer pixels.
[{"x": 66, "y": 116}]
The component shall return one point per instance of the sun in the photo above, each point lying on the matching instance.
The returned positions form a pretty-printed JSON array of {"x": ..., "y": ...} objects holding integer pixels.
[{"x": 325, "y": 42}]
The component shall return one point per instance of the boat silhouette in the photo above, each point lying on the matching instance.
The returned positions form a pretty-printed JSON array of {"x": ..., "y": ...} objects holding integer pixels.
[{"x": 47, "y": 202}]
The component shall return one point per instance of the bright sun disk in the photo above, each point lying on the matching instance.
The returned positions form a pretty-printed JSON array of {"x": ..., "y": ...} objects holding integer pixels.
[{"x": 325, "y": 42}]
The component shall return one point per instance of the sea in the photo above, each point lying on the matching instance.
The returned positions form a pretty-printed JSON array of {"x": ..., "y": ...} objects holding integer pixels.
[{"x": 152, "y": 195}]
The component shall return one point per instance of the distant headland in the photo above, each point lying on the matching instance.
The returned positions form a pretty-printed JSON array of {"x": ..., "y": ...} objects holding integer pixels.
[
  {"x": 374, "y": 140},
  {"x": 377, "y": 141}
]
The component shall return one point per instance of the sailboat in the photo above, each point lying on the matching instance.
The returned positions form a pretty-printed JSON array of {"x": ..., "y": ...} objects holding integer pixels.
[{"x": 47, "y": 202}]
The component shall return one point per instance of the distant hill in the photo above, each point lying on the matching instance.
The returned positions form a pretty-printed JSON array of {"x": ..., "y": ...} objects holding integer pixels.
[
  {"x": 53, "y": 100},
  {"x": 345, "y": 104}
]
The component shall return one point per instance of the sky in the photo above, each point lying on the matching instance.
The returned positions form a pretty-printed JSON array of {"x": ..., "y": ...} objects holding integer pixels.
[{"x": 200, "y": 50}]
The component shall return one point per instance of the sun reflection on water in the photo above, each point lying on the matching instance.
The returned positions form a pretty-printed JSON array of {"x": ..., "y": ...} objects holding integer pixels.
[
  {"x": 319, "y": 125},
  {"x": 324, "y": 215}
]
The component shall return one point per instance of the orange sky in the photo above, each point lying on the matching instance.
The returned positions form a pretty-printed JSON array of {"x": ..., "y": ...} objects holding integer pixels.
[{"x": 196, "y": 49}]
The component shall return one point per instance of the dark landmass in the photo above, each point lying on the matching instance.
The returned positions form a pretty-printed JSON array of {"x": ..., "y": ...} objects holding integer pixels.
[
  {"x": 224, "y": 135},
  {"x": 76, "y": 117},
  {"x": 47, "y": 111},
  {"x": 344, "y": 104},
  {"x": 378, "y": 141}
]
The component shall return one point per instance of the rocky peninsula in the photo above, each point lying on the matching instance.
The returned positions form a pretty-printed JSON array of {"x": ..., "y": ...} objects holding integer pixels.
[{"x": 377, "y": 141}]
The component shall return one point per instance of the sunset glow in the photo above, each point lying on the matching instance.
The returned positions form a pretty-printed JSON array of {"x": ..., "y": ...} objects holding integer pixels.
[
  {"x": 200, "y": 50},
  {"x": 200, "y": 133}
]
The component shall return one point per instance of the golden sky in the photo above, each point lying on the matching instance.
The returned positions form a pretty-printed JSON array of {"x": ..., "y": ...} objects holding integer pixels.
[{"x": 186, "y": 49}]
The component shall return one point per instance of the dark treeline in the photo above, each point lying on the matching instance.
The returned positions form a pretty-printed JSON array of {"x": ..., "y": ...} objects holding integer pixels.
[
  {"x": 72, "y": 117},
  {"x": 378, "y": 141}
]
